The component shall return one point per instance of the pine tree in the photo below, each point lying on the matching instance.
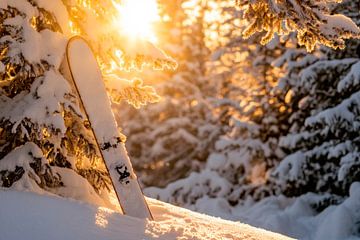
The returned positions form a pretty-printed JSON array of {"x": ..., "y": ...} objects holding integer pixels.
[
  {"x": 172, "y": 138},
  {"x": 45, "y": 140},
  {"x": 248, "y": 112},
  {"x": 255, "y": 109},
  {"x": 40, "y": 117},
  {"x": 323, "y": 144},
  {"x": 312, "y": 20}
]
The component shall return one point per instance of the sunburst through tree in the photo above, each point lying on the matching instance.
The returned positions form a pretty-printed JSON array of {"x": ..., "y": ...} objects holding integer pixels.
[{"x": 248, "y": 109}]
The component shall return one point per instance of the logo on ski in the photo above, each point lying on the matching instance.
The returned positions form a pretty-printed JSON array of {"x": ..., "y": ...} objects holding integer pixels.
[
  {"x": 107, "y": 145},
  {"x": 124, "y": 174}
]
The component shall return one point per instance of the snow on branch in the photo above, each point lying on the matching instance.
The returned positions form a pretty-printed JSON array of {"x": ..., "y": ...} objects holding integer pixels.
[
  {"x": 311, "y": 19},
  {"x": 117, "y": 51},
  {"x": 133, "y": 92}
]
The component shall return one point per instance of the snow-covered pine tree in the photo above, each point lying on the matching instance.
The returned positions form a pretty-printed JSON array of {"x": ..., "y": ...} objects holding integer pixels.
[
  {"x": 42, "y": 135},
  {"x": 244, "y": 159},
  {"x": 312, "y": 20},
  {"x": 323, "y": 145},
  {"x": 253, "y": 117},
  {"x": 45, "y": 141},
  {"x": 172, "y": 138}
]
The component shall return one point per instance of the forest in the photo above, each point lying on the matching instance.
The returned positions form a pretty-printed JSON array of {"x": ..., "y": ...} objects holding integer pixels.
[{"x": 244, "y": 110}]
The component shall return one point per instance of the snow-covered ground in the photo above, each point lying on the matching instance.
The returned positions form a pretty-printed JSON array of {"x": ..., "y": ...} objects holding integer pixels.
[
  {"x": 295, "y": 217},
  {"x": 299, "y": 217},
  {"x": 26, "y": 215}
]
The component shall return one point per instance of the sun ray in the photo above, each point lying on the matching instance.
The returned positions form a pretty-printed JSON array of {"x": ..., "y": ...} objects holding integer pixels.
[{"x": 137, "y": 17}]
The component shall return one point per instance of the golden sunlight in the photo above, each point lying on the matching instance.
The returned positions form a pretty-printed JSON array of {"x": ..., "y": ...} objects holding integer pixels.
[{"x": 137, "y": 17}]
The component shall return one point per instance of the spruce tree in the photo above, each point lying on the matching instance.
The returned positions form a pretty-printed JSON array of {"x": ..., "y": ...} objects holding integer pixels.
[
  {"x": 313, "y": 21},
  {"x": 254, "y": 106},
  {"x": 252, "y": 117},
  {"x": 172, "y": 138},
  {"x": 322, "y": 145},
  {"x": 45, "y": 140}
]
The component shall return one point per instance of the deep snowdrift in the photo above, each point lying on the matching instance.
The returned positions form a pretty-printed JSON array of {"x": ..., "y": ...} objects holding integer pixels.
[{"x": 25, "y": 215}]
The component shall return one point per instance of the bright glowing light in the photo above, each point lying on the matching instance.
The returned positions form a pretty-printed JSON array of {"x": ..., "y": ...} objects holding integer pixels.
[{"x": 137, "y": 17}]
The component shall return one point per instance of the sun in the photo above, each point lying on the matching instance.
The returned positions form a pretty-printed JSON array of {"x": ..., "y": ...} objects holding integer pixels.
[{"x": 137, "y": 17}]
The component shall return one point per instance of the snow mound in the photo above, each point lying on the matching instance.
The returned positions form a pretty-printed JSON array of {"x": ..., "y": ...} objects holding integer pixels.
[{"x": 26, "y": 215}]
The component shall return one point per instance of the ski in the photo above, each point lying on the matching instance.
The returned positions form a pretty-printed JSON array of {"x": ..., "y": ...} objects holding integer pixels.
[{"x": 83, "y": 71}]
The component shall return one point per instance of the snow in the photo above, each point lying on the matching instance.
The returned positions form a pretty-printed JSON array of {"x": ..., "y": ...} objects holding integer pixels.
[
  {"x": 18, "y": 158},
  {"x": 347, "y": 162},
  {"x": 215, "y": 161},
  {"x": 308, "y": 75},
  {"x": 43, "y": 109},
  {"x": 341, "y": 112},
  {"x": 206, "y": 182},
  {"x": 337, "y": 23},
  {"x": 59, "y": 11},
  {"x": 37, "y": 46},
  {"x": 80, "y": 187},
  {"x": 295, "y": 217},
  {"x": 132, "y": 91},
  {"x": 2, "y": 67},
  {"x": 351, "y": 79},
  {"x": 22, "y": 5},
  {"x": 291, "y": 166},
  {"x": 26, "y": 215},
  {"x": 23, "y": 156}
]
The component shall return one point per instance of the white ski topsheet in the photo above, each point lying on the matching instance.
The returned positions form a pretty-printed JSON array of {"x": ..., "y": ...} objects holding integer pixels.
[{"x": 89, "y": 83}]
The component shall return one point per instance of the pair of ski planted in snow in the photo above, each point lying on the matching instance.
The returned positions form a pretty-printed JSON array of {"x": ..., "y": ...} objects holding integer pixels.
[{"x": 80, "y": 67}]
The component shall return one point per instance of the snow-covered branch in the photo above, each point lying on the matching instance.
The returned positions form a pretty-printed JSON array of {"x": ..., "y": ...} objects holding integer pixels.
[{"x": 311, "y": 19}]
